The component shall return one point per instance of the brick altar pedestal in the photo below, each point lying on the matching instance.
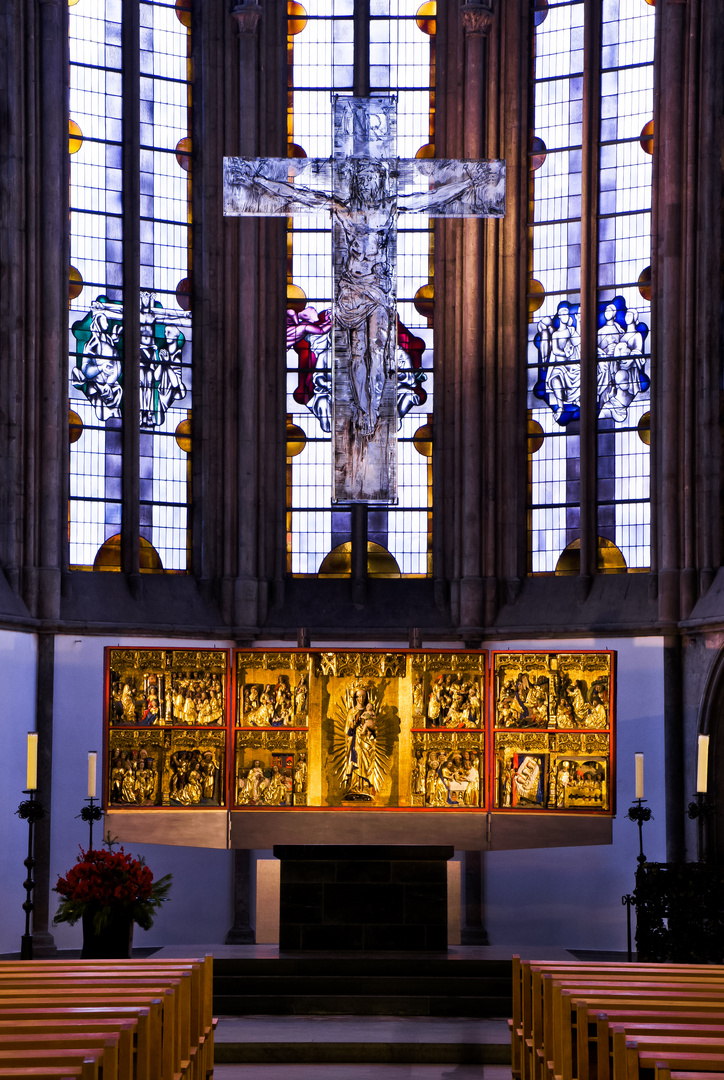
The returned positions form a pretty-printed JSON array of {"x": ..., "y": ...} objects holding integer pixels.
[{"x": 364, "y": 897}]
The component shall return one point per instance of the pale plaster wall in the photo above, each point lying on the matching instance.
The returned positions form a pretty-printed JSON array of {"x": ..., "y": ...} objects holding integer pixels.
[
  {"x": 18, "y": 659},
  {"x": 200, "y": 908},
  {"x": 571, "y": 897}
]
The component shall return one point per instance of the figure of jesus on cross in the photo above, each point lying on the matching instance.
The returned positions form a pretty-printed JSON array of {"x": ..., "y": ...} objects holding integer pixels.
[{"x": 364, "y": 187}]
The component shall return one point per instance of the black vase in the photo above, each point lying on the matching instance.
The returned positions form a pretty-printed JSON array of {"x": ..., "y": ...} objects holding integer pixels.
[{"x": 114, "y": 941}]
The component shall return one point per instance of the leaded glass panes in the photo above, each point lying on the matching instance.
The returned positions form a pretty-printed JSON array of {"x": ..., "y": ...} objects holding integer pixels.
[
  {"x": 624, "y": 253},
  {"x": 400, "y": 63},
  {"x": 619, "y": 328},
  {"x": 165, "y": 238},
  {"x": 555, "y": 281},
  {"x": 100, "y": 142},
  {"x": 96, "y": 291}
]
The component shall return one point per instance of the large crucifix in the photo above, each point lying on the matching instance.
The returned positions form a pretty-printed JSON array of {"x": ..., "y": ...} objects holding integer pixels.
[{"x": 364, "y": 186}]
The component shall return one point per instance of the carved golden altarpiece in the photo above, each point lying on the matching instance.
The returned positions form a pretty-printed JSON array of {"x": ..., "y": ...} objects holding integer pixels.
[{"x": 430, "y": 732}]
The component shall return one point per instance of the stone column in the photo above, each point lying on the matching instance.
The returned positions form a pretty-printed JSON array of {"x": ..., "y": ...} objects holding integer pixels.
[
  {"x": 477, "y": 19},
  {"x": 43, "y": 941},
  {"x": 49, "y": 295},
  {"x": 241, "y": 932}
]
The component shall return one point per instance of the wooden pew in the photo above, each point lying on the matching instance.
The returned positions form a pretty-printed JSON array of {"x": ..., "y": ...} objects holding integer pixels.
[
  {"x": 644, "y": 1062},
  {"x": 664, "y": 1024},
  {"x": 43, "y": 998},
  {"x": 148, "y": 1021},
  {"x": 195, "y": 1034},
  {"x": 118, "y": 1047},
  {"x": 187, "y": 1024},
  {"x": 543, "y": 1028},
  {"x": 92, "y": 1064},
  {"x": 663, "y": 1072},
  {"x": 43, "y": 1029},
  {"x": 529, "y": 982},
  {"x": 564, "y": 1034}
]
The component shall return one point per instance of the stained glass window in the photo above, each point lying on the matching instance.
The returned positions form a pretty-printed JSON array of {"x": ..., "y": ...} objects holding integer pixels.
[
  {"x": 399, "y": 60},
  {"x": 102, "y": 139},
  {"x": 615, "y": 271}
]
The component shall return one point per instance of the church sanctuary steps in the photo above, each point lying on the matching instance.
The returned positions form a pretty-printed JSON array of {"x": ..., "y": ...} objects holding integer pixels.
[
  {"x": 384, "y": 984},
  {"x": 165, "y": 1007},
  {"x": 326, "y": 1041},
  {"x": 557, "y": 1027}
]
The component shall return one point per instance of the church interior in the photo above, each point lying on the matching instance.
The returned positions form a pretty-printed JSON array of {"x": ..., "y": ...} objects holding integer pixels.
[{"x": 441, "y": 576}]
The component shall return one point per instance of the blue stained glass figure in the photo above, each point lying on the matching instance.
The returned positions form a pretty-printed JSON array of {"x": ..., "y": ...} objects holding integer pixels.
[{"x": 621, "y": 374}]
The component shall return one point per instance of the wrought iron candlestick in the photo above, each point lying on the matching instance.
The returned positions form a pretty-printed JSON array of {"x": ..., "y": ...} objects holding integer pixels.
[
  {"x": 90, "y": 814},
  {"x": 638, "y": 813},
  {"x": 700, "y": 811},
  {"x": 31, "y": 811}
]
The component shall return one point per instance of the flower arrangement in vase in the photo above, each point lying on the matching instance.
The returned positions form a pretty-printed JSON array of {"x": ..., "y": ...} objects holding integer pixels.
[{"x": 110, "y": 891}]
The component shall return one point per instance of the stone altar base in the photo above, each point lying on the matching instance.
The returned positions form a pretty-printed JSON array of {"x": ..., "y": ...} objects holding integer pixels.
[{"x": 370, "y": 898}]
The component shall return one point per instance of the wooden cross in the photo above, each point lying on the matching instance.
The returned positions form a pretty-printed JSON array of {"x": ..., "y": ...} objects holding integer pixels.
[{"x": 364, "y": 186}]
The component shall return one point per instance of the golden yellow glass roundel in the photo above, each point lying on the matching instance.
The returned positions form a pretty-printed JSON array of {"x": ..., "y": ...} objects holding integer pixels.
[
  {"x": 426, "y": 151},
  {"x": 296, "y": 297},
  {"x": 296, "y": 440},
  {"x": 644, "y": 283},
  {"x": 183, "y": 12},
  {"x": 75, "y": 283},
  {"x": 75, "y": 426},
  {"x": 536, "y": 295},
  {"x": 425, "y": 17},
  {"x": 182, "y": 434},
  {"x": 535, "y": 436},
  {"x": 75, "y": 137},
  {"x": 422, "y": 440},
  {"x": 297, "y": 17},
  {"x": 425, "y": 301},
  {"x": 183, "y": 153},
  {"x": 646, "y": 138},
  {"x": 108, "y": 556},
  {"x": 609, "y": 559},
  {"x": 644, "y": 429}
]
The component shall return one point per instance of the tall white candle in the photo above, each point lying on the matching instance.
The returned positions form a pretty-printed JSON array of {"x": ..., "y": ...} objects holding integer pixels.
[
  {"x": 92, "y": 762},
  {"x": 32, "y": 770},
  {"x": 639, "y": 776},
  {"x": 702, "y": 764}
]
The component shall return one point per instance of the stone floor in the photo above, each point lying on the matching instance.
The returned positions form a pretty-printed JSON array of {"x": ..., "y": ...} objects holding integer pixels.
[{"x": 425, "y": 1048}]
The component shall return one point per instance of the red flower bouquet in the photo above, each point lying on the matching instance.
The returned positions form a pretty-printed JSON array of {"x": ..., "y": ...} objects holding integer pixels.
[{"x": 106, "y": 881}]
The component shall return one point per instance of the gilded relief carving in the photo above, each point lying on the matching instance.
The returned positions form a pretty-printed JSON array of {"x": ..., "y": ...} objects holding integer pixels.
[
  {"x": 362, "y": 729},
  {"x": 565, "y": 763},
  {"x": 167, "y": 687},
  {"x": 355, "y": 730}
]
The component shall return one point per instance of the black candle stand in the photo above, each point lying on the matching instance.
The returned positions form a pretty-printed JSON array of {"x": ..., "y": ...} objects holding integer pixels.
[
  {"x": 30, "y": 811},
  {"x": 700, "y": 811},
  {"x": 90, "y": 814},
  {"x": 638, "y": 813}
]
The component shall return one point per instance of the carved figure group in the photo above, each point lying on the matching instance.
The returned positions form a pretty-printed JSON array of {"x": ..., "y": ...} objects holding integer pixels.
[
  {"x": 453, "y": 703},
  {"x": 134, "y": 777},
  {"x": 270, "y": 786},
  {"x": 193, "y": 698},
  {"x": 276, "y": 705},
  {"x": 193, "y": 777},
  {"x": 580, "y": 783},
  {"x": 452, "y": 778},
  {"x": 197, "y": 698},
  {"x": 523, "y": 702}
]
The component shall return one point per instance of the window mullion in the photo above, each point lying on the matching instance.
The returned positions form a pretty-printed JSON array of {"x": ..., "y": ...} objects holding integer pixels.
[
  {"x": 130, "y": 519},
  {"x": 589, "y": 281}
]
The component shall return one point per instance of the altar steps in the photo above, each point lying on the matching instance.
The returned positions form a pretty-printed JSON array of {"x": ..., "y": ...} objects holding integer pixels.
[
  {"x": 333, "y": 985},
  {"x": 353, "y": 1040}
]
